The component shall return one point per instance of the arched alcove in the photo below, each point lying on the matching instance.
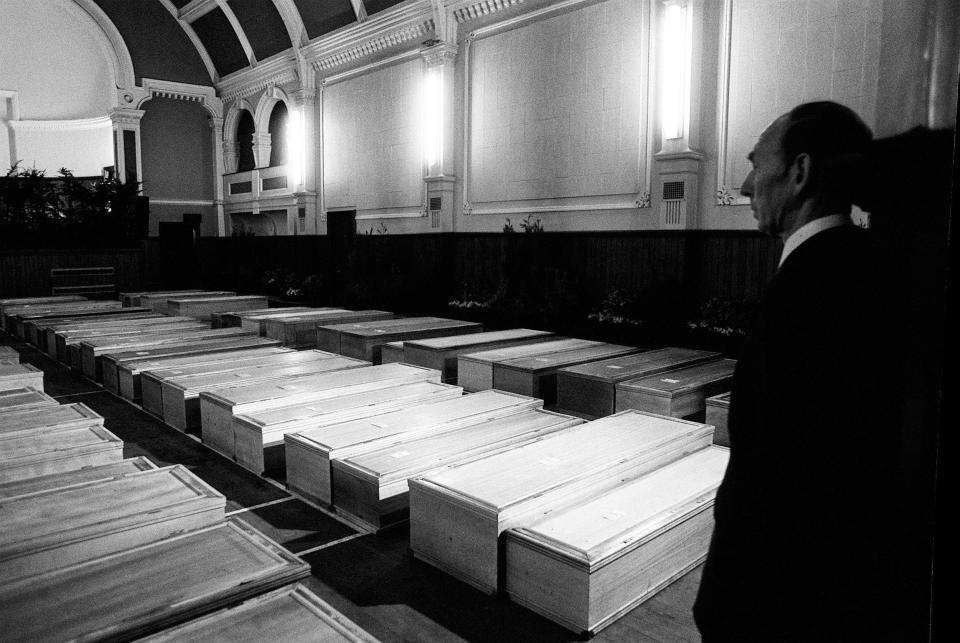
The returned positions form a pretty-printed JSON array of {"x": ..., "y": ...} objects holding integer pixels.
[
  {"x": 278, "y": 134},
  {"x": 245, "y": 131}
]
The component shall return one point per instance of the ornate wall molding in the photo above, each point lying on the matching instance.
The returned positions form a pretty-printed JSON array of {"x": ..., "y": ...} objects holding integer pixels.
[
  {"x": 74, "y": 125},
  {"x": 725, "y": 196},
  {"x": 277, "y": 70},
  {"x": 466, "y": 10},
  {"x": 120, "y": 55},
  {"x": 366, "y": 69},
  {"x": 206, "y": 96},
  {"x": 261, "y": 117}
]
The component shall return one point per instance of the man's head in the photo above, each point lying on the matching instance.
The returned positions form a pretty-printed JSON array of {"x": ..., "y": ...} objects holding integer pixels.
[{"x": 799, "y": 166}]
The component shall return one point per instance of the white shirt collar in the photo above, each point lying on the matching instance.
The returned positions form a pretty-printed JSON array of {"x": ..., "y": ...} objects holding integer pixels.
[{"x": 810, "y": 229}]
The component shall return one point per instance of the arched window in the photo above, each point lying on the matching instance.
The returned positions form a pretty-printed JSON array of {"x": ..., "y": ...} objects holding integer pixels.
[
  {"x": 245, "y": 130},
  {"x": 278, "y": 134}
]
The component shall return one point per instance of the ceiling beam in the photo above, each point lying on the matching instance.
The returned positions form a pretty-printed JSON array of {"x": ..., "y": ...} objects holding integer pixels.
[
  {"x": 196, "y": 9},
  {"x": 293, "y": 22},
  {"x": 241, "y": 35},
  {"x": 192, "y": 35}
]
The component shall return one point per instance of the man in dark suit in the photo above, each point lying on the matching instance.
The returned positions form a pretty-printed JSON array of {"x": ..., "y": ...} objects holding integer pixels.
[{"x": 801, "y": 547}]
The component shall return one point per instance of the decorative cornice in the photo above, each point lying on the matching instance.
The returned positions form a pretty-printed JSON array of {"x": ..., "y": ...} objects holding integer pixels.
[
  {"x": 76, "y": 124},
  {"x": 377, "y": 64},
  {"x": 129, "y": 117},
  {"x": 275, "y": 70},
  {"x": 387, "y": 29},
  {"x": 725, "y": 197},
  {"x": 206, "y": 96},
  {"x": 467, "y": 10},
  {"x": 439, "y": 53}
]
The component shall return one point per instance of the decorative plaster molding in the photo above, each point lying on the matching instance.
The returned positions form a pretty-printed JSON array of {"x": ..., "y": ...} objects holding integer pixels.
[
  {"x": 206, "y": 96},
  {"x": 75, "y": 125},
  {"x": 275, "y": 70},
  {"x": 725, "y": 196},
  {"x": 359, "y": 10},
  {"x": 389, "y": 28},
  {"x": 126, "y": 118},
  {"x": 628, "y": 202},
  {"x": 14, "y": 97},
  {"x": 120, "y": 59},
  {"x": 439, "y": 53},
  {"x": 292, "y": 21},
  {"x": 180, "y": 202},
  {"x": 467, "y": 10},
  {"x": 359, "y": 71}
]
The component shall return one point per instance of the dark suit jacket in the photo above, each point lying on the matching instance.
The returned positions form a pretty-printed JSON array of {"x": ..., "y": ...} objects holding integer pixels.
[{"x": 799, "y": 551}]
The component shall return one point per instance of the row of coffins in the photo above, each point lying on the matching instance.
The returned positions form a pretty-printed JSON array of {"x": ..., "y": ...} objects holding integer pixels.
[
  {"x": 13, "y": 374},
  {"x": 150, "y": 547}
]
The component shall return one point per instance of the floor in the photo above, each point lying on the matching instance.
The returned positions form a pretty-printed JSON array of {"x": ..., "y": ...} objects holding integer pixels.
[{"x": 371, "y": 578}]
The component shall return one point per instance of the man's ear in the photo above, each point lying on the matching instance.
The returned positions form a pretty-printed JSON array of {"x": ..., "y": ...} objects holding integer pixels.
[{"x": 801, "y": 170}]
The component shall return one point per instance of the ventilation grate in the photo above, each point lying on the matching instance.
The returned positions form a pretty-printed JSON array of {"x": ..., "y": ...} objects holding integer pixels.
[{"x": 673, "y": 190}]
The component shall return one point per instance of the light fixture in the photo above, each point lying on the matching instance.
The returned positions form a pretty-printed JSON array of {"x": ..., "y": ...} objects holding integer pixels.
[
  {"x": 431, "y": 114},
  {"x": 295, "y": 148},
  {"x": 674, "y": 85}
]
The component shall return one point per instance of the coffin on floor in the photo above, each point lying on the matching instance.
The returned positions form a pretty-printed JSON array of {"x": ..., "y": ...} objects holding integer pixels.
[
  {"x": 588, "y": 565},
  {"x": 47, "y": 418},
  {"x": 35, "y": 453},
  {"x": 457, "y": 516},
  {"x": 17, "y": 375},
  {"x": 441, "y": 352},
  {"x": 475, "y": 370},
  {"x": 24, "y": 397},
  {"x": 678, "y": 393},
  {"x": 146, "y": 589},
  {"x": 100, "y": 517},
  {"x": 76, "y": 476},
  {"x": 301, "y": 330},
  {"x": 718, "y": 408}
]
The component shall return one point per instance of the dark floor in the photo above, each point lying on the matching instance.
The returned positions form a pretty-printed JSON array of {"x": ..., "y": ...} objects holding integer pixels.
[{"x": 371, "y": 578}]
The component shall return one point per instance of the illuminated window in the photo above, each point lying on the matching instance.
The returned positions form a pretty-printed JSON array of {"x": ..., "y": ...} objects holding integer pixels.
[
  {"x": 431, "y": 113},
  {"x": 673, "y": 87}
]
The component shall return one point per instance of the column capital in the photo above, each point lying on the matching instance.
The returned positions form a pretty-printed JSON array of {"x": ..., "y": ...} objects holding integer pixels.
[
  {"x": 436, "y": 53},
  {"x": 126, "y": 118}
]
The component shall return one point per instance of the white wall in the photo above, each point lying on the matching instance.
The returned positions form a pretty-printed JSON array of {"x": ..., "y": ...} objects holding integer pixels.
[{"x": 55, "y": 58}]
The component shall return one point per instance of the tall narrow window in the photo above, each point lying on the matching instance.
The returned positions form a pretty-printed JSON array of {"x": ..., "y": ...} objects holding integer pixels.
[
  {"x": 278, "y": 135},
  {"x": 245, "y": 130},
  {"x": 673, "y": 87}
]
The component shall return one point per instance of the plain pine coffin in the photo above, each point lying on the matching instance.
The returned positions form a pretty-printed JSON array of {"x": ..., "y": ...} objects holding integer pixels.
[
  {"x": 36, "y": 330},
  {"x": 6, "y": 304},
  {"x": 91, "y": 351},
  {"x": 585, "y": 566},
  {"x": 310, "y": 451},
  {"x": 365, "y": 343},
  {"x": 231, "y": 318},
  {"x": 17, "y": 375},
  {"x": 66, "y": 324},
  {"x": 71, "y": 337},
  {"x": 391, "y": 353},
  {"x": 217, "y": 408},
  {"x": 37, "y": 453},
  {"x": 76, "y": 476},
  {"x": 129, "y": 369},
  {"x": 329, "y": 337},
  {"x": 110, "y": 364},
  {"x": 133, "y": 298},
  {"x": 53, "y": 417},
  {"x": 457, "y": 516},
  {"x": 258, "y": 443},
  {"x": 151, "y": 379},
  {"x": 300, "y": 330},
  {"x": 370, "y": 487},
  {"x": 58, "y": 527},
  {"x": 148, "y": 588},
  {"x": 442, "y": 352},
  {"x": 158, "y": 301},
  {"x": 120, "y": 338},
  {"x": 24, "y": 397},
  {"x": 289, "y": 615},
  {"x": 718, "y": 407},
  {"x": 181, "y": 396},
  {"x": 9, "y": 353},
  {"x": 475, "y": 370},
  {"x": 257, "y": 321},
  {"x": 202, "y": 307},
  {"x": 17, "y": 317},
  {"x": 537, "y": 375},
  {"x": 590, "y": 389},
  {"x": 678, "y": 393}
]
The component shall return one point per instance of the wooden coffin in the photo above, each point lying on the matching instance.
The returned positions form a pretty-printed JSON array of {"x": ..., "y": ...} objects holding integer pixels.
[
  {"x": 25, "y": 397},
  {"x": 130, "y": 370},
  {"x": 329, "y": 336},
  {"x": 258, "y": 440},
  {"x": 586, "y": 566},
  {"x": 58, "y": 527},
  {"x": 441, "y": 352},
  {"x": 22, "y": 315},
  {"x": 310, "y": 450},
  {"x": 77, "y": 476},
  {"x": 590, "y": 389},
  {"x": 38, "y": 453},
  {"x": 17, "y": 375},
  {"x": 678, "y": 393},
  {"x": 179, "y": 396},
  {"x": 158, "y": 301},
  {"x": 91, "y": 351},
  {"x": 300, "y": 330},
  {"x": 289, "y": 615},
  {"x": 74, "y": 351},
  {"x": 365, "y": 343},
  {"x": 537, "y": 375},
  {"x": 232, "y": 318},
  {"x": 457, "y": 516},
  {"x": 7, "y": 303},
  {"x": 64, "y": 339},
  {"x": 36, "y": 330},
  {"x": 256, "y": 321},
  {"x": 391, "y": 353},
  {"x": 718, "y": 407},
  {"x": 370, "y": 487},
  {"x": 217, "y": 408},
  {"x": 9, "y": 353},
  {"x": 133, "y": 298},
  {"x": 66, "y": 324},
  {"x": 110, "y": 364},
  {"x": 148, "y": 588},
  {"x": 475, "y": 370},
  {"x": 47, "y": 418},
  {"x": 202, "y": 307}
]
